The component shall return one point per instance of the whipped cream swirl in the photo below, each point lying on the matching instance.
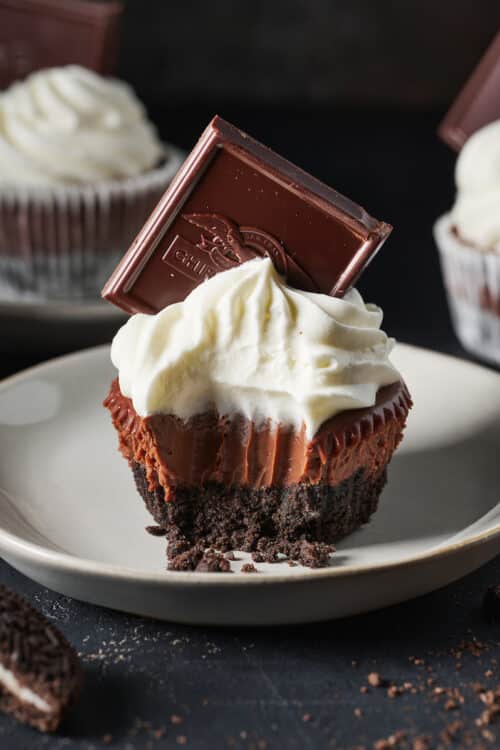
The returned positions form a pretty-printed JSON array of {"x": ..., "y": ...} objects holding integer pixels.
[
  {"x": 244, "y": 342},
  {"x": 70, "y": 125},
  {"x": 476, "y": 213}
]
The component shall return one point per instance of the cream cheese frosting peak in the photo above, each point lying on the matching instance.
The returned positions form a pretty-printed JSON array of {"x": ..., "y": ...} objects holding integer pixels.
[
  {"x": 244, "y": 342},
  {"x": 476, "y": 213},
  {"x": 70, "y": 125}
]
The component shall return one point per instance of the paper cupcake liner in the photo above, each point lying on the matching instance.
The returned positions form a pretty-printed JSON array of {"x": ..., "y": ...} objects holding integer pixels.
[
  {"x": 64, "y": 242},
  {"x": 472, "y": 282},
  {"x": 234, "y": 451}
]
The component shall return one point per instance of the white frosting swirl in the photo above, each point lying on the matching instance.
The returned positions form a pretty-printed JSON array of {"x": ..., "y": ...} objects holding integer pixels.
[
  {"x": 244, "y": 342},
  {"x": 70, "y": 125},
  {"x": 476, "y": 213}
]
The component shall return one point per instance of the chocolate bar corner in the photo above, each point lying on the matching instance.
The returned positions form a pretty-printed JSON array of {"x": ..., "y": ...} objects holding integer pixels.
[
  {"x": 478, "y": 102},
  {"x": 233, "y": 200},
  {"x": 37, "y": 34}
]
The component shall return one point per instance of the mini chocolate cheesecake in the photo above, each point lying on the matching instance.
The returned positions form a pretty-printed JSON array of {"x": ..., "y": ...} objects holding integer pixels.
[
  {"x": 223, "y": 482},
  {"x": 256, "y": 401},
  {"x": 40, "y": 674}
]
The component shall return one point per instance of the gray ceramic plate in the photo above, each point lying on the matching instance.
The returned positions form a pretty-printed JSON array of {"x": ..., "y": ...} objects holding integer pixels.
[{"x": 70, "y": 517}]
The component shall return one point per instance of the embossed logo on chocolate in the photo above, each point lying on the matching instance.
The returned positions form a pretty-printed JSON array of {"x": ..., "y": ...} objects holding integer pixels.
[
  {"x": 222, "y": 245},
  {"x": 228, "y": 244}
]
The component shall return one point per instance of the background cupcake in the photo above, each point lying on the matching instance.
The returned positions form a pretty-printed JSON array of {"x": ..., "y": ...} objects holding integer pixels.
[
  {"x": 468, "y": 238},
  {"x": 81, "y": 168}
]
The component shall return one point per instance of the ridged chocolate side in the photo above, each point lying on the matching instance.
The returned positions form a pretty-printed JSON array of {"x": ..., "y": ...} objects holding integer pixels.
[{"x": 235, "y": 452}]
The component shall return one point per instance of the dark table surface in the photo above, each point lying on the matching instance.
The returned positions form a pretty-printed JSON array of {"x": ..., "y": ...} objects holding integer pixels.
[{"x": 160, "y": 685}]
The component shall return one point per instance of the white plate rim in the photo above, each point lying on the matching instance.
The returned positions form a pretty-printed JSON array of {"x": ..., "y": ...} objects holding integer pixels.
[
  {"x": 69, "y": 563},
  {"x": 93, "y": 309}
]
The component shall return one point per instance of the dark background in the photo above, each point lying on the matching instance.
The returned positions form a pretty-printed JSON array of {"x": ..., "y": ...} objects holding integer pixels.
[
  {"x": 362, "y": 53},
  {"x": 353, "y": 92}
]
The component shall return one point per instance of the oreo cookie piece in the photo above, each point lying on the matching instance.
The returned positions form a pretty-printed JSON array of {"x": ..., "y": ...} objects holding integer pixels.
[{"x": 40, "y": 674}]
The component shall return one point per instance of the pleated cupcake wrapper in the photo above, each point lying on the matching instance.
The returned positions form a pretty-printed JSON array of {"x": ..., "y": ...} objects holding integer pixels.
[
  {"x": 472, "y": 282},
  {"x": 235, "y": 452},
  {"x": 66, "y": 241}
]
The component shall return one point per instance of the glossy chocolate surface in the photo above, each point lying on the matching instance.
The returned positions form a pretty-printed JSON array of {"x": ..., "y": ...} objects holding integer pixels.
[
  {"x": 37, "y": 34},
  {"x": 478, "y": 103},
  {"x": 232, "y": 200},
  {"x": 236, "y": 452}
]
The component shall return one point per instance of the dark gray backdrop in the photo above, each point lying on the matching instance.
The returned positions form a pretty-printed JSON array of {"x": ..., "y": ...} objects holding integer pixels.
[{"x": 410, "y": 53}]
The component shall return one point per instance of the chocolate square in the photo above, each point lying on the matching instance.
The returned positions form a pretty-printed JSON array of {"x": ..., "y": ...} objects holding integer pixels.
[
  {"x": 232, "y": 200},
  {"x": 478, "y": 103},
  {"x": 37, "y": 34}
]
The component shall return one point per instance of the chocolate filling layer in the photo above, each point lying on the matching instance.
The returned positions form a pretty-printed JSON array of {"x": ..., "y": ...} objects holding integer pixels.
[
  {"x": 218, "y": 482},
  {"x": 233, "y": 451}
]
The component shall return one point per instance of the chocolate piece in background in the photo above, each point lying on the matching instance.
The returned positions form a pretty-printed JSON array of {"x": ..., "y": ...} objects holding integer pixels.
[
  {"x": 232, "y": 200},
  {"x": 37, "y": 34},
  {"x": 478, "y": 103}
]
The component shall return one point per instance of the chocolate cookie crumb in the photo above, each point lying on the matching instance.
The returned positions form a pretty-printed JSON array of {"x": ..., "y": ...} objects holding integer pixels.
[
  {"x": 314, "y": 554},
  {"x": 258, "y": 557},
  {"x": 375, "y": 680},
  {"x": 393, "y": 691},
  {"x": 421, "y": 743},
  {"x": 178, "y": 544},
  {"x": 488, "y": 735},
  {"x": 450, "y": 732},
  {"x": 156, "y": 530},
  {"x": 267, "y": 551},
  {"x": 213, "y": 562},
  {"x": 186, "y": 560},
  {"x": 249, "y": 568},
  {"x": 388, "y": 743},
  {"x": 488, "y": 697}
]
